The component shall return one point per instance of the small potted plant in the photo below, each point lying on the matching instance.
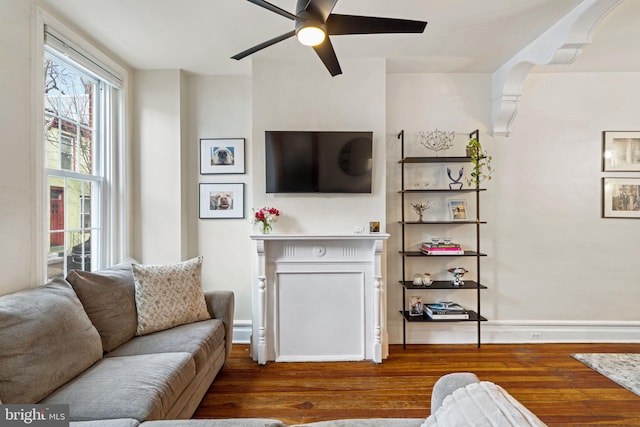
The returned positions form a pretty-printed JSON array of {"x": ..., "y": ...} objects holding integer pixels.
[{"x": 482, "y": 169}]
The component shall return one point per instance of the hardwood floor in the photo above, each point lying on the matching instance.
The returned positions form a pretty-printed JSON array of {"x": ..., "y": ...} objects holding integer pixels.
[{"x": 560, "y": 390}]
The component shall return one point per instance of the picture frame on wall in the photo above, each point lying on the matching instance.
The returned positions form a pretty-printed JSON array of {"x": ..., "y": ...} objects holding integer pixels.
[
  {"x": 458, "y": 210},
  {"x": 222, "y": 156},
  {"x": 620, "y": 197},
  {"x": 621, "y": 151},
  {"x": 220, "y": 201}
]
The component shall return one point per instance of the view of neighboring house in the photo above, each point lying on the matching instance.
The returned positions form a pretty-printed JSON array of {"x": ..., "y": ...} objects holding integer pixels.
[{"x": 70, "y": 162}]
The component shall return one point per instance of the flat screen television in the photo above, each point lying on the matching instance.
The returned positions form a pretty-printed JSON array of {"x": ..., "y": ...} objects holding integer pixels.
[{"x": 318, "y": 161}]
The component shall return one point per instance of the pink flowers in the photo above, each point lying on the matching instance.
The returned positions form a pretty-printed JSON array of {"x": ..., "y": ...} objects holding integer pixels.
[{"x": 265, "y": 216}]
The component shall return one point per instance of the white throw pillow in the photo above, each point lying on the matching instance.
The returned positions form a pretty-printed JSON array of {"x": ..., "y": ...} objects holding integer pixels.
[{"x": 169, "y": 295}]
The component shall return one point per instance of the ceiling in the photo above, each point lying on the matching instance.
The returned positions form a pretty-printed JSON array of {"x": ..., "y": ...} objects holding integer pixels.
[{"x": 462, "y": 36}]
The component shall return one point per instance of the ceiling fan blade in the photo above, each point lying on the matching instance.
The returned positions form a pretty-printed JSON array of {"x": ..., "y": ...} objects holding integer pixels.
[
  {"x": 328, "y": 57},
  {"x": 320, "y": 8},
  {"x": 273, "y": 8},
  {"x": 351, "y": 24},
  {"x": 263, "y": 45}
]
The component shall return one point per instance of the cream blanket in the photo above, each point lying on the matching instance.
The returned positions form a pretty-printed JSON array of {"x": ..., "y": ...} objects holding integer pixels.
[{"x": 482, "y": 404}]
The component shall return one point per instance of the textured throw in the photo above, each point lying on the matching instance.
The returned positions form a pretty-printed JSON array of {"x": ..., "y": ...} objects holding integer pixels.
[
  {"x": 482, "y": 404},
  {"x": 622, "y": 368}
]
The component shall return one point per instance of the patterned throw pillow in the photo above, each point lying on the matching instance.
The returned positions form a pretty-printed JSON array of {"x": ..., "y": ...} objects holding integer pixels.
[{"x": 169, "y": 295}]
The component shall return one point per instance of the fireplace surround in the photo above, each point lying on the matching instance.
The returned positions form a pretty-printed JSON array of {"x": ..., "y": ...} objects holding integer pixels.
[{"x": 319, "y": 297}]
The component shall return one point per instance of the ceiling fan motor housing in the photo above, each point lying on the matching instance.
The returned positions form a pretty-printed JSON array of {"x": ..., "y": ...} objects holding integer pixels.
[{"x": 307, "y": 19}]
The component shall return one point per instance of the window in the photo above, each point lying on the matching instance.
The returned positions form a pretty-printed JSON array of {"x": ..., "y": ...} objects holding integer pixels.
[{"x": 80, "y": 139}]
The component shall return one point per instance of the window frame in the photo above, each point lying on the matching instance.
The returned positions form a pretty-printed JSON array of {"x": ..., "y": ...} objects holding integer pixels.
[{"x": 115, "y": 192}]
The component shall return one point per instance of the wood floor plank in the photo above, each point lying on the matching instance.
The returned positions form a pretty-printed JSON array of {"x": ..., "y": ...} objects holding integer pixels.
[{"x": 544, "y": 377}]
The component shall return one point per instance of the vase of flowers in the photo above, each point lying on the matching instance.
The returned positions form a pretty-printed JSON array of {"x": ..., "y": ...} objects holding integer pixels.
[{"x": 265, "y": 217}]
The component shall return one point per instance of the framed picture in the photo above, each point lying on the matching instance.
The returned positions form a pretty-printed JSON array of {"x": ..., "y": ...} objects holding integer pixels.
[
  {"x": 416, "y": 306},
  {"x": 219, "y": 156},
  {"x": 621, "y": 197},
  {"x": 458, "y": 210},
  {"x": 221, "y": 201},
  {"x": 621, "y": 151}
]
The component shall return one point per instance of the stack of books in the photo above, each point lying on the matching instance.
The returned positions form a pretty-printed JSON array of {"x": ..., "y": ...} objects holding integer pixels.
[
  {"x": 428, "y": 248},
  {"x": 446, "y": 311}
]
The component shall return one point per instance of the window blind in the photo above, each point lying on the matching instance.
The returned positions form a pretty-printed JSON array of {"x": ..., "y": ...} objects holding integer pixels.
[{"x": 58, "y": 44}]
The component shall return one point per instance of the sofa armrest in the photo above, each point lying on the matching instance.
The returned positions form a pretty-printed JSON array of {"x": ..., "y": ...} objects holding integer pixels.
[
  {"x": 449, "y": 383},
  {"x": 221, "y": 305}
]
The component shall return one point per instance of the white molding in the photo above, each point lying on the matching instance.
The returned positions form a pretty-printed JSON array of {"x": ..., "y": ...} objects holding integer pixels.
[
  {"x": 519, "y": 331},
  {"x": 499, "y": 332},
  {"x": 39, "y": 219},
  {"x": 242, "y": 331},
  {"x": 560, "y": 44}
]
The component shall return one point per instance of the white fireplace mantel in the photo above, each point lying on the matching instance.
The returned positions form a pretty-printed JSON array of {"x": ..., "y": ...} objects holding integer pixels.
[{"x": 319, "y": 297}]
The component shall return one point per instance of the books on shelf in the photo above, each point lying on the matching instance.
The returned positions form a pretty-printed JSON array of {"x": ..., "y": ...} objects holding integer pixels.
[
  {"x": 441, "y": 249},
  {"x": 446, "y": 311}
]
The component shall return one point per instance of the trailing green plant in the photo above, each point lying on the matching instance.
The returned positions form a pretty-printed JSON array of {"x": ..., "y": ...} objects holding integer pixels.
[{"x": 482, "y": 169}]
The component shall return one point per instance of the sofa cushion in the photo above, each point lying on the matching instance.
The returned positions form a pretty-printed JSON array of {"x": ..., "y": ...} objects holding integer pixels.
[
  {"x": 108, "y": 297},
  {"x": 142, "y": 387},
  {"x": 200, "y": 339},
  {"x": 123, "y": 422},
  {"x": 366, "y": 422},
  {"x": 47, "y": 339},
  {"x": 169, "y": 295},
  {"x": 485, "y": 404},
  {"x": 229, "y": 422}
]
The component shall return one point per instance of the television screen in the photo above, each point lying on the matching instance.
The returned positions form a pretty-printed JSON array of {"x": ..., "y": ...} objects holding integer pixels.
[{"x": 318, "y": 162}]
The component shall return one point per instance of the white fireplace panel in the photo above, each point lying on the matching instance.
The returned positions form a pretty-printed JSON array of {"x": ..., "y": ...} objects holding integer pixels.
[{"x": 305, "y": 330}]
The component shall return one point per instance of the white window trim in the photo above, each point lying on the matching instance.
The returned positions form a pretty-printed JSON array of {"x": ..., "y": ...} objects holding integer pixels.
[{"x": 117, "y": 165}]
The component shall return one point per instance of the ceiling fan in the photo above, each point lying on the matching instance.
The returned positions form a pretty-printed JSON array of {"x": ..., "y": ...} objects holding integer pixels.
[{"x": 314, "y": 22}]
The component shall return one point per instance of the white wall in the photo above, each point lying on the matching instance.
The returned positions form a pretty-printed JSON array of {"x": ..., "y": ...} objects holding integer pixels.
[
  {"x": 220, "y": 107},
  {"x": 302, "y": 95},
  {"x": 157, "y": 176},
  {"x": 17, "y": 168},
  {"x": 555, "y": 270},
  {"x": 581, "y": 259},
  {"x": 172, "y": 111}
]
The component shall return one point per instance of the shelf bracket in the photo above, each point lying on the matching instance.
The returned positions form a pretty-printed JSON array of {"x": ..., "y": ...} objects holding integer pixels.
[{"x": 560, "y": 44}]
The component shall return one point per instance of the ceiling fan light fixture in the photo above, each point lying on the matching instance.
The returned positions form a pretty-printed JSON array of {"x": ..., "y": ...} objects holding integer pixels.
[
  {"x": 311, "y": 35},
  {"x": 310, "y": 29}
]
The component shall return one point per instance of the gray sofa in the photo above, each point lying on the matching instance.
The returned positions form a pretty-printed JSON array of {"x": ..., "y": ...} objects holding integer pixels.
[
  {"x": 458, "y": 400},
  {"x": 74, "y": 343}
]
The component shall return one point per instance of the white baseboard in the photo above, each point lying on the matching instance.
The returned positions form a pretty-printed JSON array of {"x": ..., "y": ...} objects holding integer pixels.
[
  {"x": 497, "y": 332},
  {"x": 516, "y": 331},
  {"x": 242, "y": 332}
]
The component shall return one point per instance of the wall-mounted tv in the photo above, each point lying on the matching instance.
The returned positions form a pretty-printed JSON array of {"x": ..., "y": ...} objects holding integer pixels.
[{"x": 318, "y": 161}]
